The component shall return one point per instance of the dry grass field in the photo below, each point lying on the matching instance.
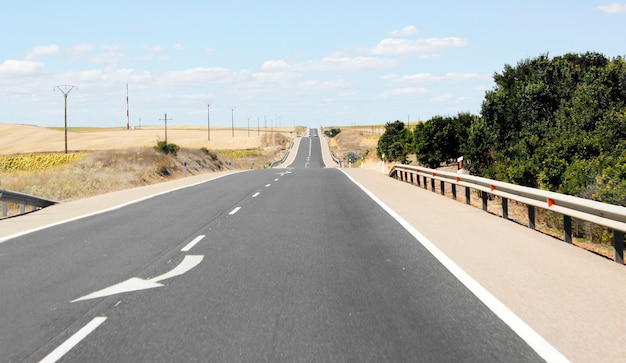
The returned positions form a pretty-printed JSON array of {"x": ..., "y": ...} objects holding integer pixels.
[
  {"x": 17, "y": 139},
  {"x": 32, "y": 158}
]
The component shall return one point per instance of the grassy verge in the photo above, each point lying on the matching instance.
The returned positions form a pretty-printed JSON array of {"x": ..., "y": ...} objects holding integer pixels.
[{"x": 91, "y": 173}]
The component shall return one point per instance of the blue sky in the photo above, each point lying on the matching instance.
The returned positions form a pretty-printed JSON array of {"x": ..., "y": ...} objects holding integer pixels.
[{"x": 281, "y": 62}]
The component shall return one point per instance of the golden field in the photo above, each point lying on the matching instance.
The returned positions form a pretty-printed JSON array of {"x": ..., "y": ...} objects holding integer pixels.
[
  {"x": 32, "y": 158},
  {"x": 19, "y": 139}
]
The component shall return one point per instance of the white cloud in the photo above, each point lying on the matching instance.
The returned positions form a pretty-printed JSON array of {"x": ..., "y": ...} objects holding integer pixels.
[
  {"x": 80, "y": 49},
  {"x": 407, "y": 30},
  {"x": 178, "y": 46},
  {"x": 42, "y": 51},
  {"x": 425, "y": 46},
  {"x": 17, "y": 67},
  {"x": 153, "y": 48},
  {"x": 329, "y": 64},
  {"x": 404, "y": 91},
  {"x": 450, "y": 76},
  {"x": 199, "y": 77},
  {"x": 112, "y": 54},
  {"x": 442, "y": 98},
  {"x": 276, "y": 77},
  {"x": 315, "y": 84},
  {"x": 613, "y": 8}
]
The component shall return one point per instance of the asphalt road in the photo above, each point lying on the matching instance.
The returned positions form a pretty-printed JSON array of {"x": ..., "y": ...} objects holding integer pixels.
[{"x": 279, "y": 265}]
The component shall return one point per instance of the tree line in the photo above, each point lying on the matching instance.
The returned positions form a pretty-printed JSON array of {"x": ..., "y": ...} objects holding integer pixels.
[{"x": 556, "y": 123}]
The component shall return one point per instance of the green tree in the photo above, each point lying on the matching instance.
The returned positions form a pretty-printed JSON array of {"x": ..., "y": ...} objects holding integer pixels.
[
  {"x": 555, "y": 124},
  {"x": 395, "y": 143},
  {"x": 440, "y": 138}
]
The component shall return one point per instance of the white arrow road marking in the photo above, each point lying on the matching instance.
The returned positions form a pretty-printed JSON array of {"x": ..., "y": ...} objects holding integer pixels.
[
  {"x": 62, "y": 349},
  {"x": 189, "y": 262},
  {"x": 136, "y": 284}
]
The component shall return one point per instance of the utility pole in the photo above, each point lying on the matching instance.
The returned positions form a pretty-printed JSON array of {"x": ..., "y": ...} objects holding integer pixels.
[
  {"x": 208, "y": 121},
  {"x": 127, "y": 113},
  {"x": 165, "y": 119},
  {"x": 232, "y": 120},
  {"x": 65, "y": 89}
]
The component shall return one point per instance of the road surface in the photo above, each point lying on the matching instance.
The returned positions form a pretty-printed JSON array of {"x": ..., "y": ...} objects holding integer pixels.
[{"x": 279, "y": 265}]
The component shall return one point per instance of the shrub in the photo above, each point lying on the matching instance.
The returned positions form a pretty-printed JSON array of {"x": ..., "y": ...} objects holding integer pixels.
[
  {"x": 209, "y": 152},
  {"x": 166, "y": 148},
  {"x": 332, "y": 132}
]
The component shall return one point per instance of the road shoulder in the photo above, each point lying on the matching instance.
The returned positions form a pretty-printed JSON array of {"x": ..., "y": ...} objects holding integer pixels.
[{"x": 571, "y": 297}]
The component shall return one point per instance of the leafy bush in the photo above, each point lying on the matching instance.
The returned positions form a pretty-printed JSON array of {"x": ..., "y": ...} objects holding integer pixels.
[
  {"x": 209, "y": 152},
  {"x": 166, "y": 148},
  {"x": 352, "y": 156},
  {"x": 332, "y": 132}
]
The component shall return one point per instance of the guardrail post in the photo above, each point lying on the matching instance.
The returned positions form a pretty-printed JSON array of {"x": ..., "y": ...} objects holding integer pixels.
[
  {"x": 425, "y": 183},
  {"x": 411, "y": 174},
  {"x": 505, "y": 208},
  {"x": 567, "y": 229},
  {"x": 442, "y": 186},
  {"x": 432, "y": 184},
  {"x": 468, "y": 198},
  {"x": 453, "y": 191},
  {"x": 22, "y": 208},
  {"x": 484, "y": 197},
  {"x": 4, "y": 209},
  {"x": 618, "y": 246},
  {"x": 417, "y": 179},
  {"x": 531, "y": 217}
]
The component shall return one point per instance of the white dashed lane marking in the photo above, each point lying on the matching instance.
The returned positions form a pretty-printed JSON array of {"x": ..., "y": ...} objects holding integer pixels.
[{"x": 192, "y": 243}]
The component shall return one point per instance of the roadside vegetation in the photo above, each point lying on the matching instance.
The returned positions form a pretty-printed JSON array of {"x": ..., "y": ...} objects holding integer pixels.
[
  {"x": 557, "y": 124},
  {"x": 354, "y": 144},
  {"x": 64, "y": 177}
]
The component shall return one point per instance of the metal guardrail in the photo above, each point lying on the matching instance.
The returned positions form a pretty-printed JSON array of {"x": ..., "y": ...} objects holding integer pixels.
[
  {"x": 8, "y": 196},
  {"x": 278, "y": 162},
  {"x": 608, "y": 215}
]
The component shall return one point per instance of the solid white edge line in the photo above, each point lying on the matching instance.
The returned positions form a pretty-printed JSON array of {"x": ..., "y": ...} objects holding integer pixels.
[
  {"x": 192, "y": 243},
  {"x": 234, "y": 211},
  {"x": 528, "y": 334},
  {"x": 72, "y": 341},
  {"x": 19, "y": 234}
]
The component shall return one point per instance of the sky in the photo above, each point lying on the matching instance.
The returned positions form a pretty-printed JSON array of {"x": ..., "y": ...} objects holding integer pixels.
[{"x": 278, "y": 63}]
